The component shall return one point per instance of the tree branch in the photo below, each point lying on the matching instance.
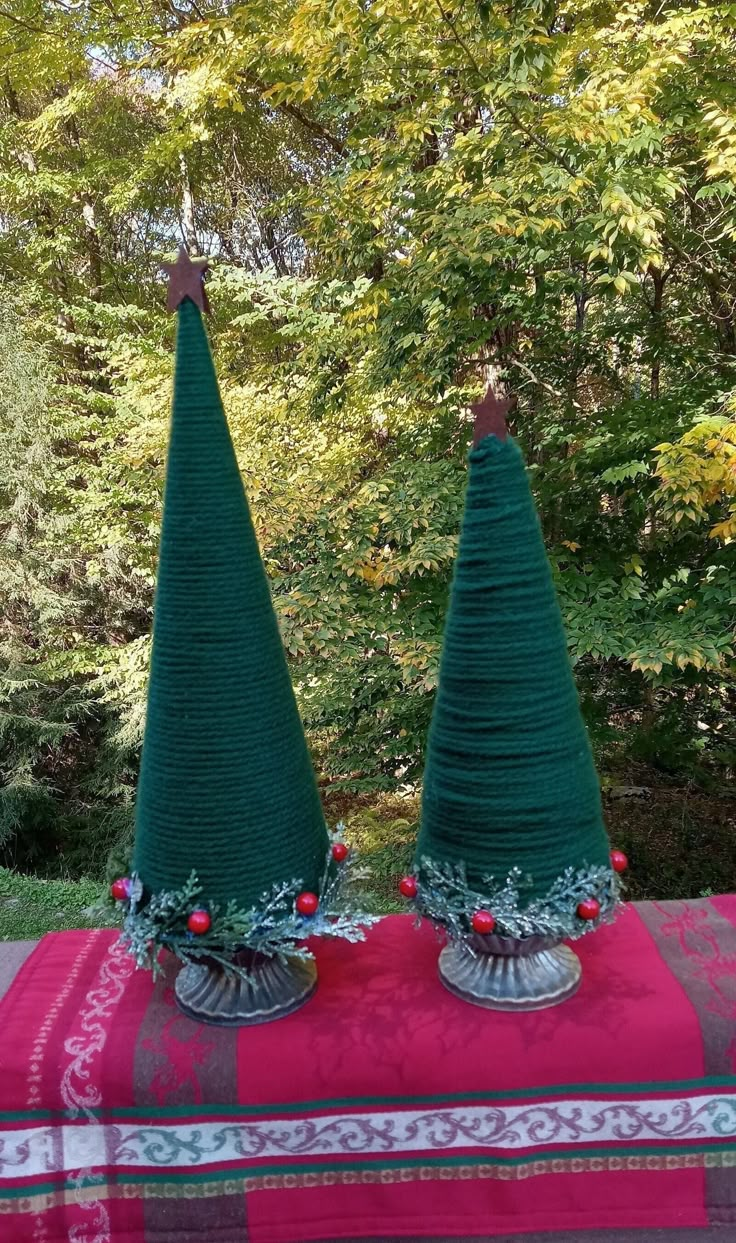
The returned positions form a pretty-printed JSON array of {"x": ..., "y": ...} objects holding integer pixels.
[
  {"x": 516, "y": 362},
  {"x": 338, "y": 146},
  {"x": 35, "y": 30},
  {"x": 539, "y": 142},
  {"x": 530, "y": 134},
  {"x": 460, "y": 42},
  {"x": 556, "y": 392},
  {"x": 52, "y": 34}
]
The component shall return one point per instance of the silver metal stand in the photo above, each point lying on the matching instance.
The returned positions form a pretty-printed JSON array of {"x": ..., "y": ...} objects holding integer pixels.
[
  {"x": 208, "y": 993},
  {"x": 502, "y": 973}
]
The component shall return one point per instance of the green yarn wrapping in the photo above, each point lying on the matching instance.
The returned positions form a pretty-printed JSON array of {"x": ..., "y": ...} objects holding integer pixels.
[
  {"x": 227, "y": 787},
  {"x": 509, "y": 778}
]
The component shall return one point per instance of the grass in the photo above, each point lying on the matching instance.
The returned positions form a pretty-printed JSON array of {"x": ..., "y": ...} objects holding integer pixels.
[
  {"x": 680, "y": 841},
  {"x": 383, "y": 831},
  {"x": 29, "y": 907}
]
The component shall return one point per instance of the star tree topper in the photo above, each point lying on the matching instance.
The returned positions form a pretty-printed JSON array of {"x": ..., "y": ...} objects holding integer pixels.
[
  {"x": 490, "y": 416},
  {"x": 186, "y": 280}
]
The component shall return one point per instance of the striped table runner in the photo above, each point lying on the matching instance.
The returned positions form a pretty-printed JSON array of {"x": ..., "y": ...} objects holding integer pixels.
[{"x": 385, "y": 1109}]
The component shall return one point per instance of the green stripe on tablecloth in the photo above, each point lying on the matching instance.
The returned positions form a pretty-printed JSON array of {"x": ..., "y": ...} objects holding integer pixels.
[
  {"x": 215, "y": 1110},
  {"x": 234, "y": 1173}
]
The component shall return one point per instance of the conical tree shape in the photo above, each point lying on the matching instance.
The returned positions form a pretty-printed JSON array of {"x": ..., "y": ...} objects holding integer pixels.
[
  {"x": 509, "y": 779},
  {"x": 226, "y": 786}
]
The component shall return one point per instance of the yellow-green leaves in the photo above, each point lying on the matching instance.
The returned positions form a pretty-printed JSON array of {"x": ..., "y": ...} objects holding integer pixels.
[{"x": 697, "y": 475}]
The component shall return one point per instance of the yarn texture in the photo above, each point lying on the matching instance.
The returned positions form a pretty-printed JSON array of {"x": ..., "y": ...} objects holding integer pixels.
[
  {"x": 227, "y": 786},
  {"x": 509, "y": 778}
]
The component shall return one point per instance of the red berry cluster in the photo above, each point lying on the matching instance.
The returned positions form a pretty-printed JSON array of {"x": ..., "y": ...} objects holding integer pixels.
[
  {"x": 590, "y": 908},
  {"x": 482, "y": 922}
]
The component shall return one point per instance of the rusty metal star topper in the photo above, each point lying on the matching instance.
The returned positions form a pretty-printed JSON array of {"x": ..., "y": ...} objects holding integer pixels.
[
  {"x": 186, "y": 280},
  {"x": 490, "y": 416}
]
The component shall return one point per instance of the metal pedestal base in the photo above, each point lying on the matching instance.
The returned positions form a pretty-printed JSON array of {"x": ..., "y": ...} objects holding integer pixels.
[
  {"x": 208, "y": 993},
  {"x": 502, "y": 973}
]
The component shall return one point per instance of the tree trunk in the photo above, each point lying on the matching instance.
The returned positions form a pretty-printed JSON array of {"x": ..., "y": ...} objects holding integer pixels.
[
  {"x": 654, "y": 380},
  {"x": 189, "y": 229},
  {"x": 91, "y": 232},
  {"x": 274, "y": 249},
  {"x": 94, "y": 254},
  {"x": 724, "y": 313}
]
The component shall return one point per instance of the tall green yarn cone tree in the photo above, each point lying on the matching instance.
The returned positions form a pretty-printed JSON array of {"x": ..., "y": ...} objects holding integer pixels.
[
  {"x": 233, "y": 870},
  {"x": 509, "y": 779},
  {"x": 227, "y": 788}
]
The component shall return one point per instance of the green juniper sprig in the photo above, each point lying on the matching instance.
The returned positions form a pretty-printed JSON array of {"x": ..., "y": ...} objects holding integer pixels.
[
  {"x": 444, "y": 896},
  {"x": 274, "y": 926}
]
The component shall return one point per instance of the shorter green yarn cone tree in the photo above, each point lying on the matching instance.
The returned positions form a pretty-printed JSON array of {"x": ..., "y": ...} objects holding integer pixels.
[
  {"x": 511, "y": 810},
  {"x": 231, "y": 848}
]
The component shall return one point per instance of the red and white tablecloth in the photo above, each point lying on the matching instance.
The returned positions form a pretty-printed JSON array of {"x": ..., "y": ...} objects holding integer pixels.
[{"x": 385, "y": 1108}]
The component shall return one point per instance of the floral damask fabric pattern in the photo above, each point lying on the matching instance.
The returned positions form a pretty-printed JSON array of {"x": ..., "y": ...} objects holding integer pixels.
[
  {"x": 79, "y": 1085},
  {"x": 696, "y": 941},
  {"x": 384, "y": 1098},
  {"x": 694, "y": 946}
]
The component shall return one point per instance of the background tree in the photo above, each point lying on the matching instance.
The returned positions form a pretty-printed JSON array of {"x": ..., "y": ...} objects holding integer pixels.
[{"x": 403, "y": 199}]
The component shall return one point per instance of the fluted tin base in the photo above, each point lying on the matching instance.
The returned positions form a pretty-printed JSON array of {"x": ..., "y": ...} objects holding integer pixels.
[
  {"x": 501, "y": 973},
  {"x": 208, "y": 993}
]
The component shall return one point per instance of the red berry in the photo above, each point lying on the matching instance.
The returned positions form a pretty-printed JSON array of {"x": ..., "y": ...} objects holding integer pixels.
[
  {"x": 339, "y": 852},
  {"x": 408, "y": 887},
  {"x": 619, "y": 862},
  {"x": 483, "y": 923},
  {"x": 120, "y": 888},
  {"x": 307, "y": 903},
  {"x": 589, "y": 908},
  {"x": 199, "y": 921}
]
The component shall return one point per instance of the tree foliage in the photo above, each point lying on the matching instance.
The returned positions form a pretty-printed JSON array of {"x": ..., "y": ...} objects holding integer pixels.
[{"x": 402, "y": 199}]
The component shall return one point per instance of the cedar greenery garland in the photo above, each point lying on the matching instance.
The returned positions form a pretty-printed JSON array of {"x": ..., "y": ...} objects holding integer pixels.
[
  {"x": 444, "y": 896},
  {"x": 272, "y": 927},
  {"x": 510, "y": 787},
  {"x": 227, "y": 789}
]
